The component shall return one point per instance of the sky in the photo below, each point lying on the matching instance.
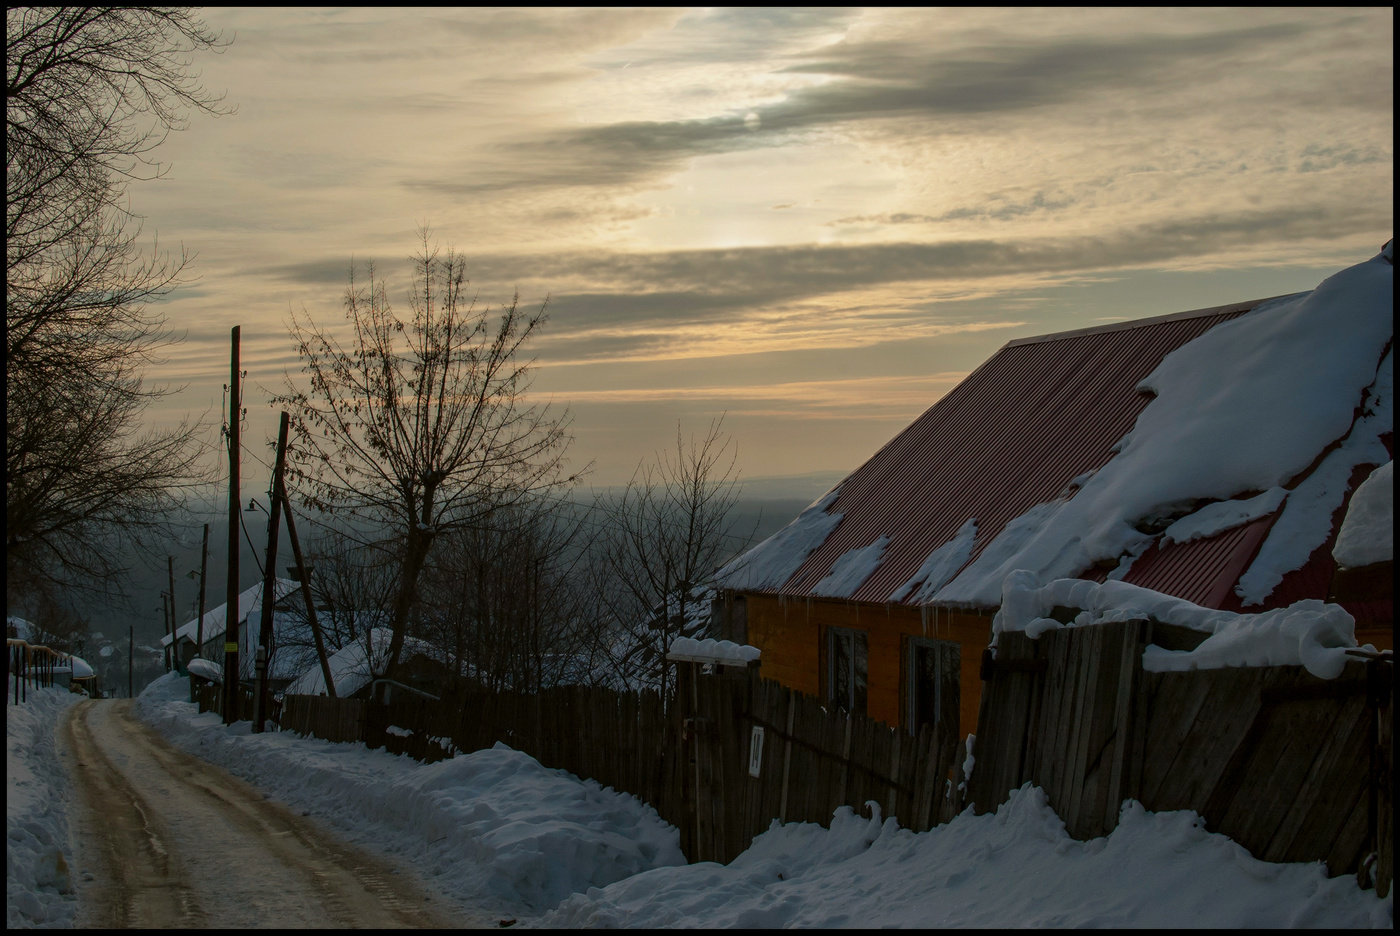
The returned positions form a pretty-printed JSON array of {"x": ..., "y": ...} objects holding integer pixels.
[{"x": 815, "y": 222}]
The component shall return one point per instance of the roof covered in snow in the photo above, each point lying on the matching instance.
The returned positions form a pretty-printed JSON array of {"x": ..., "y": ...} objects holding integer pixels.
[
  {"x": 248, "y": 600},
  {"x": 1206, "y": 455},
  {"x": 354, "y": 666}
]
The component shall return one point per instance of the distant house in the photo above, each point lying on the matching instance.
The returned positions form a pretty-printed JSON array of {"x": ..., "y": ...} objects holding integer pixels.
[
  {"x": 422, "y": 669},
  {"x": 288, "y": 622},
  {"x": 1209, "y": 455}
]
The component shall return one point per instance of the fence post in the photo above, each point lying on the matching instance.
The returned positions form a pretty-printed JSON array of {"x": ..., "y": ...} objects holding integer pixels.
[{"x": 787, "y": 756}]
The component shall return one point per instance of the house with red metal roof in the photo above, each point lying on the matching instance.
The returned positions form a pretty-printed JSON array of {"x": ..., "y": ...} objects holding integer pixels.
[{"x": 1209, "y": 455}]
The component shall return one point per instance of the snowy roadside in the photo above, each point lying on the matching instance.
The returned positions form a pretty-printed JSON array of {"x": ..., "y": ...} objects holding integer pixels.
[
  {"x": 38, "y": 885},
  {"x": 493, "y": 830},
  {"x": 1015, "y": 868},
  {"x": 497, "y": 831}
]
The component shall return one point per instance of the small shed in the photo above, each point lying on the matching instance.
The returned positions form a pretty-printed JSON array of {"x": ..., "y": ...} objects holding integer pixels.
[{"x": 1209, "y": 455}]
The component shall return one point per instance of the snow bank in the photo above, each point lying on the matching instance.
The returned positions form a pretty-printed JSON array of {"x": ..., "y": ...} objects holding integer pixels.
[
  {"x": 492, "y": 825},
  {"x": 772, "y": 562},
  {"x": 1368, "y": 532},
  {"x": 711, "y": 649},
  {"x": 851, "y": 569},
  {"x": 1308, "y": 633},
  {"x": 38, "y": 885},
  {"x": 1246, "y": 406},
  {"x": 1015, "y": 868}
]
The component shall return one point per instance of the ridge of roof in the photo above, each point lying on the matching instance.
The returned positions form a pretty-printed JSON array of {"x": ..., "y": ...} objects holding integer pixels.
[{"x": 1153, "y": 320}]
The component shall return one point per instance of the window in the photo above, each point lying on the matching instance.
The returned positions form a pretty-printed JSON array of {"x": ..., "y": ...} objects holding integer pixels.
[
  {"x": 931, "y": 684},
  {"x": 846, "y": 656}
]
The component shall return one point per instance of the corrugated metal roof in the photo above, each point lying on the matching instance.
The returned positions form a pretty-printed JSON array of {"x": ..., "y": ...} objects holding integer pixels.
[{"x": 1036, "y": 415}]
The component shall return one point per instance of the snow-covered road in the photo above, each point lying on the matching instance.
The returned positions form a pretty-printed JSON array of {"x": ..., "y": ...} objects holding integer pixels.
[{"x": 166, "y": 839}]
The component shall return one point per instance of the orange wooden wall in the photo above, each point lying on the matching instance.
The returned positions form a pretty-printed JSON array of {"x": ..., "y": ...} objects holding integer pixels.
[{"x": 790, "y": 632}]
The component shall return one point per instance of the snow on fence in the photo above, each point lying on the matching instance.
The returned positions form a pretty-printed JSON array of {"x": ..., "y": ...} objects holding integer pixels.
[{"x": 1293, "y": 767}]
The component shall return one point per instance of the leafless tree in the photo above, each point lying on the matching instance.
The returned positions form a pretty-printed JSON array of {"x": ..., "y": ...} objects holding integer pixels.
[
  {"x": 422, "y": 425},
  {"x": 510, "y": 603},
  {"x": 665, "y": 536},
  {"x": 90, "y": 92}
]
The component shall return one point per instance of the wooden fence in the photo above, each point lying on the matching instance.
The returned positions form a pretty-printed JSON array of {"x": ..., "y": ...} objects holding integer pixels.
[
  {"x": 756, "y": 751},
  {"x": 209, "y": 698},
  {"x": 1292, "y": 767},
  {"x": 341, "y": 720},
  {"x": 689, "y": 760}
]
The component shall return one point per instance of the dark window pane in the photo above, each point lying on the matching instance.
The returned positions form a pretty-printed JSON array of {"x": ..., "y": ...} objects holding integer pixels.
[{"x": 839, "y": 654}]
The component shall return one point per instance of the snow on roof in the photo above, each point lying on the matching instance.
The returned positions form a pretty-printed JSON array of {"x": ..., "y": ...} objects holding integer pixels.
[
  {"x": 1368, "y": 531},
  {"x": 772, "y": 562},
  {"x": 76, "y": 666},
  {"x": 352, "y": 669},
  {"x": 248, "y": 599},
  {"x": 1308, "y": 633},
  {"x": 23, "y": 629},
  {"x": 851, "y": 570},
  {"x": 1079, "y": 452}
]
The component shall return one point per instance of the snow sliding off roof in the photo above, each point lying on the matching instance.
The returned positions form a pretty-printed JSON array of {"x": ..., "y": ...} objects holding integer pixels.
[{"x": 1235, "y": 431}]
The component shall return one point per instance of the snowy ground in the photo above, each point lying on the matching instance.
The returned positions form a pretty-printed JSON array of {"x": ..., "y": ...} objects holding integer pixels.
[
  {"x": 497, "y": 831},
  {"x": 38, "y": 886}
]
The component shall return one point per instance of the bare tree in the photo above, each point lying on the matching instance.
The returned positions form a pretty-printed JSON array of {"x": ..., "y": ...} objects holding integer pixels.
[
  {"x": 90, "y": 92},
  {"x": 510, "y": 602},
  {"x": 666, "y": 535},
  {"x": 422, "y": 426}
]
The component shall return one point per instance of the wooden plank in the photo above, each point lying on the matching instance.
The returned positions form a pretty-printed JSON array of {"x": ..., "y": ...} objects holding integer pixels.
[
  {"x": 1129, "y": 664},
  {"x": 787, "y": 756},
  {"x": 1085, "y": 649},
  {"x": 1103, "y": 733},
  {"x": 1343, "y": 787},
  {"x": 1066, "y": 662},
  {"x": 1227, "y": 709},
  {"x": 1317, "y": 752}
]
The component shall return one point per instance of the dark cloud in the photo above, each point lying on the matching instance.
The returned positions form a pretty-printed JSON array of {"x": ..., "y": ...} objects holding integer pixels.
[
  {"x": 994, "y": 212},
  {"x": 881, "y": 80},
  {"x": 639, "y": 297}
]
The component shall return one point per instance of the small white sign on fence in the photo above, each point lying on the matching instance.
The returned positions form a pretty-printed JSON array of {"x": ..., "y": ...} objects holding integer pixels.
[{"x": 755, "y": 751}]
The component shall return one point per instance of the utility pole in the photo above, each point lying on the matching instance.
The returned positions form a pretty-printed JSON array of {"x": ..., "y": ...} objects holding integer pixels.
[
  {"x": 130, "y": 653},
  {"x": 231, "y": 609},
  {"x": 165, "y": 621},
  {"x": 304, "y": 573},
  {"x": 269, "y": 594},
  {"x": 174, "y": 644},
  {"x": 203, "y": 574}
]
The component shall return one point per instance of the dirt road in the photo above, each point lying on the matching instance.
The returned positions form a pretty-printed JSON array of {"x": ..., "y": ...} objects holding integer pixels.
[{"x": 168, "y": 840}]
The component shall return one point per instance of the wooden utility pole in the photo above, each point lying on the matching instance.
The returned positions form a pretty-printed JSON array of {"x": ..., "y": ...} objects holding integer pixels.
[
  {"x": 165, "y": 622},
  {"x": 203, "y": 573},
  {"x": 269, "y": 593},
  {"x": 231, "y": 609},
  {"x": 304, "y": 573},
  {"x": 130, "y": 653},
  {"x": 174, "y": 644}
]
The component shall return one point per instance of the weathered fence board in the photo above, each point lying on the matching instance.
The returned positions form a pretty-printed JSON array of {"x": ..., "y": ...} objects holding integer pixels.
[{"x": 1273, "y": 757}]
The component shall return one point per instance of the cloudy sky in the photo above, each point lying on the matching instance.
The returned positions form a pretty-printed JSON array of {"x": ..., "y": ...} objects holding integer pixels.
[{"x": 816, "y": 222}]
